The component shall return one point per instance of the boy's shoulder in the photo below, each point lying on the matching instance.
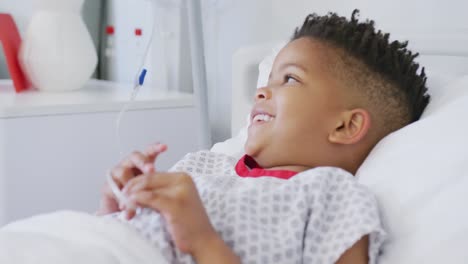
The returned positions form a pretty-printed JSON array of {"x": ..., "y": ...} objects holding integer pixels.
[
  {"x": 322, "y": 179},
  {"x": 204, "y": 154},
  {"x": 204, "y": 160},
  {"x": 333, "y": 181}
]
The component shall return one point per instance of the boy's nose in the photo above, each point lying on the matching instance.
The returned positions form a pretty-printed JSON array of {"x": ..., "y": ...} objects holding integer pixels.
[{"x": 262, "y": 93}]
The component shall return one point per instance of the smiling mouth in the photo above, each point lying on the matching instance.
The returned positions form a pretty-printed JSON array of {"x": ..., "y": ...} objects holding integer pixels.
[{"x": 262, "y": 118}]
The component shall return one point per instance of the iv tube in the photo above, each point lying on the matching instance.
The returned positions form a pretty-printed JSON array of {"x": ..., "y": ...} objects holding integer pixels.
[{"x": 138, "y": 82}]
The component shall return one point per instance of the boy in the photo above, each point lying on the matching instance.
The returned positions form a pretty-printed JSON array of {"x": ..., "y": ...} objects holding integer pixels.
[{"x": 334, "y": 91}]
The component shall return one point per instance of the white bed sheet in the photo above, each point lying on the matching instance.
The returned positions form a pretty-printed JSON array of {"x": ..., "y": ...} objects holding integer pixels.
[{"x": 74, "y": 238}]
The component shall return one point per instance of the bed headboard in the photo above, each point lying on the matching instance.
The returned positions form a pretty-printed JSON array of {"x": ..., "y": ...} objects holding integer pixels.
[{"x": 444, "y": 54}]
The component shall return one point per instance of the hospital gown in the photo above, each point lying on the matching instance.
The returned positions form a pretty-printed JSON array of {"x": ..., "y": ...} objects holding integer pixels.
[{"x": 313, "y": 217}]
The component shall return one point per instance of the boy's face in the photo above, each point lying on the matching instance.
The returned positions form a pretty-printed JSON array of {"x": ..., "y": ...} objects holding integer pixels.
[{"x": 293, "y": 116}]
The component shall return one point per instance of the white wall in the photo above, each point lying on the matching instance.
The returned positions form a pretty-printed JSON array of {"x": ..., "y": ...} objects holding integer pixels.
[
  {"x": 231, "y": 24},
  {"x": 169, "y": 53}
]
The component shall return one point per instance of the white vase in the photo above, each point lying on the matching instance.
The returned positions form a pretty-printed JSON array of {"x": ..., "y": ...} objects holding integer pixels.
[{"x": 57, "y": 52}]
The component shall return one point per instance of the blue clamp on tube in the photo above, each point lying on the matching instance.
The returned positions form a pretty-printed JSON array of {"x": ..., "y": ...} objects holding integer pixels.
[{"x": 141, "y": 80}]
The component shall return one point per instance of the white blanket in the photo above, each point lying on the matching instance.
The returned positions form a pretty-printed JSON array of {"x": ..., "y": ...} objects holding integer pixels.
[{"x": 72, "y": 237}]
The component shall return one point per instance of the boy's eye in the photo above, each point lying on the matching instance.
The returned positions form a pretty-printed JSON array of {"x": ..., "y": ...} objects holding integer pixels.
[{"x": 290, "y": 79}]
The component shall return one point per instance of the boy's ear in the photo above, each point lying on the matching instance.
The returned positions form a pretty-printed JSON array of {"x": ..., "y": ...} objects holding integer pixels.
[{"x": 352, "y": 126}]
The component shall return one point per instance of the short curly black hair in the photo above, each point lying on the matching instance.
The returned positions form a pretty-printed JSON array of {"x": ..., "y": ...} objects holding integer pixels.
[{"x": 388, "y": 74}]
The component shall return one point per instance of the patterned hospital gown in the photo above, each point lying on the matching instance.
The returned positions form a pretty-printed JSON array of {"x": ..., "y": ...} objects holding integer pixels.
[{"x": 313, "y": 217}]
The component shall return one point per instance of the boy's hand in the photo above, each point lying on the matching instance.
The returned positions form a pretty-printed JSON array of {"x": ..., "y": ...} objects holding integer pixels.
[
  {"x": 176, "y": 198},
  {"x": 134, "y": 165}
]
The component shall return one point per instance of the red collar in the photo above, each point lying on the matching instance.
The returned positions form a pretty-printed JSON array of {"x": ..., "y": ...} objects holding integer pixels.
[{"x": 248, "y": 167}]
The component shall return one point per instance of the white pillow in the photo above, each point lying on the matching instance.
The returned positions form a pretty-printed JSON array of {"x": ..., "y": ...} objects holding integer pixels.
[
  {"x": 420, "y": 177},
  {"x": 234, "y": 146}
]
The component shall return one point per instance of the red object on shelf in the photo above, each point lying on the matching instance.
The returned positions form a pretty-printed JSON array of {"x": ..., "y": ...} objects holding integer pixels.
[
  {"x": 11, "y": 40},
  {"x": 138, "y": 32},
  {"x": 110, "y": 30}
]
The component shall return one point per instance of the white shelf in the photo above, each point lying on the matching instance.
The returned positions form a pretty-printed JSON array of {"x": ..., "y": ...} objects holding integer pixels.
[{"x": 96, "y": 96}]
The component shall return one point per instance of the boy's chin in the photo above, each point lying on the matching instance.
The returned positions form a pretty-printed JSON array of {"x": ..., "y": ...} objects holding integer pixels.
[{"x": 251, "y": 149}]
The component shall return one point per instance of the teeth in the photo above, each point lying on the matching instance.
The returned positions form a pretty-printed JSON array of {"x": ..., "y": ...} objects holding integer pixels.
[{"x": 262, "y": 117}]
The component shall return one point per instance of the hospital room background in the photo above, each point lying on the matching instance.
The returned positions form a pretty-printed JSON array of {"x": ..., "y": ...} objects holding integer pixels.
[{"x": 56, "y": 147}]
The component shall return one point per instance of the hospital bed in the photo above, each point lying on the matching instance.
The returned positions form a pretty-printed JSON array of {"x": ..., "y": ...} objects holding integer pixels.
[{"x": 419, "y": 173}]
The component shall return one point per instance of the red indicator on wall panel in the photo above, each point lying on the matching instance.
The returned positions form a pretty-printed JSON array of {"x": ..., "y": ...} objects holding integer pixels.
[
  {"x": 138, "y": 32},
  {"x": 110, "y": 30}
]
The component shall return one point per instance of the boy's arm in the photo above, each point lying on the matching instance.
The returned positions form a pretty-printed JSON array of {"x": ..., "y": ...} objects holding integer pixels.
[
  {"x": 357, "y": 254},
  {"x": 175, "y": 196},
  {"x": 215, "y": 251}
]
